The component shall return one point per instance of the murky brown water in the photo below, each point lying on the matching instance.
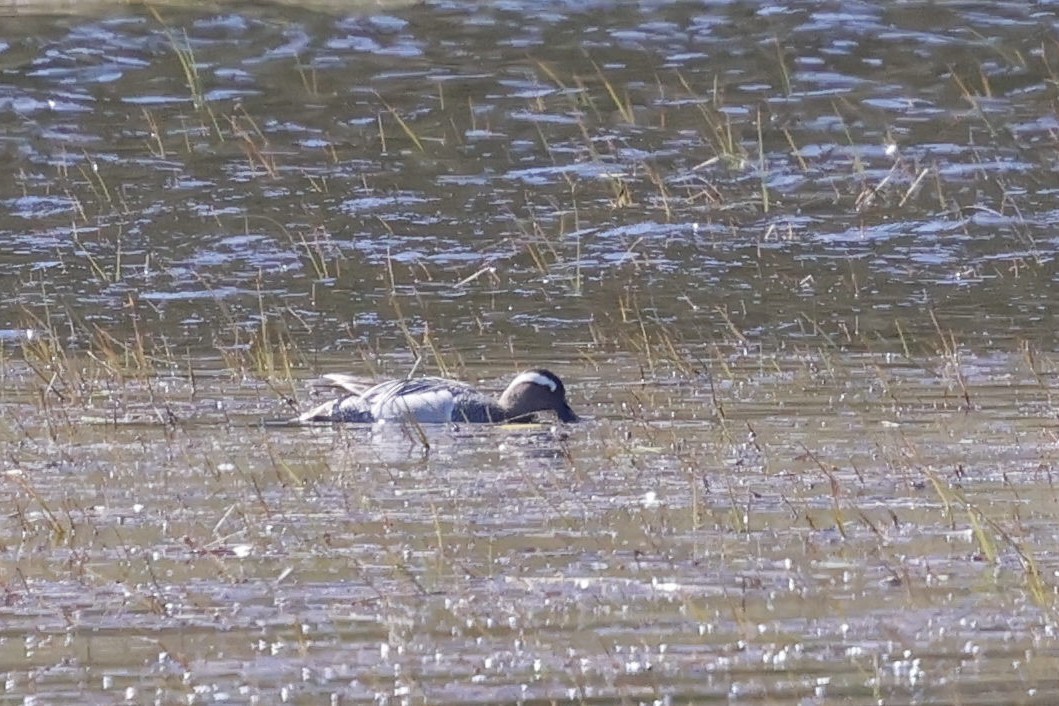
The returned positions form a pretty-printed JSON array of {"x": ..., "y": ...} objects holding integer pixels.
[{"x": 796, "y": 265}]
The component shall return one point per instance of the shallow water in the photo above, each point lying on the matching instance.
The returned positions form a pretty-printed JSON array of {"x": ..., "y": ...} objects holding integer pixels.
[
  {"x": 795, "y": 265},
  {"x": 799, "y": 535}
]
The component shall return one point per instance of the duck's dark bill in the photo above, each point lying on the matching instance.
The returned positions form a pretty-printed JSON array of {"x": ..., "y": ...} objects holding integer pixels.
[{"x": 566, "y": 414}]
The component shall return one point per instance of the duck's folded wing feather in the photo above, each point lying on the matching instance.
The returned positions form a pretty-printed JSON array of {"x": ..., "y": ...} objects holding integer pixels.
[
  {"x": 349, "y": 409},
  {"x": 350, "y": 383},
  {"x": 413, "y": 386},
  {"x": 427, "y": 400}
]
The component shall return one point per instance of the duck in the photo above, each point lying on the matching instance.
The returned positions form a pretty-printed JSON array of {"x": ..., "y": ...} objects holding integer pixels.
[{"x": 436, "y": 400}]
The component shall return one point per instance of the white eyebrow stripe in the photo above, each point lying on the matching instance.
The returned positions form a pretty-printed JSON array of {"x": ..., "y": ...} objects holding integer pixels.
[{"x": 534, "y": 378}]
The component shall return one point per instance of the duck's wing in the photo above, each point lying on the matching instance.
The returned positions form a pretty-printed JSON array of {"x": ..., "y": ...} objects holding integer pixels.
[
  {"x": 345, "y": 409},
  {"x": 350, "y": 383},
  {"x": 427, "y": 400},
  {"x": 352, "y": 407},
  {"x": 415, "y": 386}
]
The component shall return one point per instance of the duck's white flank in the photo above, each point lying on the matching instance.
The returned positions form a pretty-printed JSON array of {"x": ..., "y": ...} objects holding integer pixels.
[
  {"x": 429, "y": 407},
  {"x": 535, "y": 378}
]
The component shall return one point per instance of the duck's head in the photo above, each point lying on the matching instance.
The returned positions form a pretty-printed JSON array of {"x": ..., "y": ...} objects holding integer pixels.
[{"x": 536, "y": 390}]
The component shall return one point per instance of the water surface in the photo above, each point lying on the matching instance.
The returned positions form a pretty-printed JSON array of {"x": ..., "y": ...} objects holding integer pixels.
[{"x": 796, "y": 265}]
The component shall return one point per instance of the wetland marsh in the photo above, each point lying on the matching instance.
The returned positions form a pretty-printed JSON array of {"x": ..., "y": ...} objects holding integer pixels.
[{"x": 796, "y": 266}]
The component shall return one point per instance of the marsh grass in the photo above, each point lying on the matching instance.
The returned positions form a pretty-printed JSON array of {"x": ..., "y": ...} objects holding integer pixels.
[
  {"x": 406, "y": 128},
  {"x": 621, "y": 103},
  {"x": 719, "y": 133},
  {"x": 59, "y": 529},
  {"x": 80, "y": 366},
  {"x": 60, "y": 374},
  {"x": 109, "y": 272},
  {"x": 94, "y": 179},
  {"x": 254, "y": 142},
  {"x": 181, "y": 46},
  {"x": 552, "y": 252}
]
